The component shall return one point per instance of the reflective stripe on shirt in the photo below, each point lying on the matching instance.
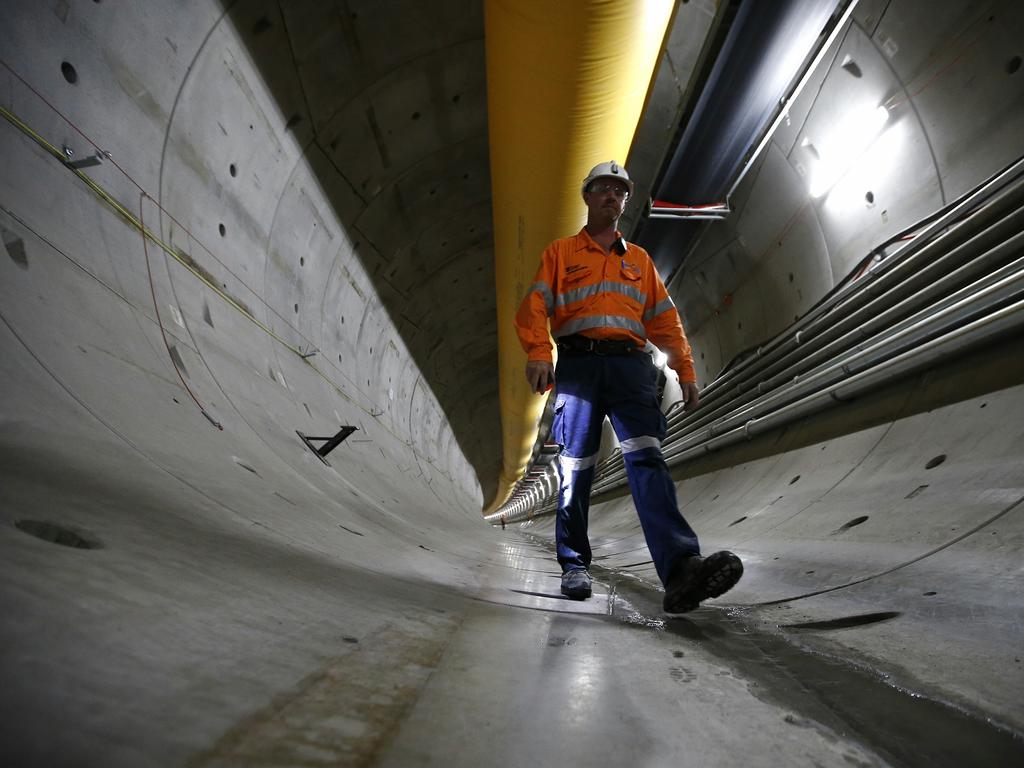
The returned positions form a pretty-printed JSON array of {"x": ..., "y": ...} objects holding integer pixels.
[
  {"x": 544, "y": 290},
  {"x": 608, "y": 286},
  {"x": 599, "y": 321},
  {"x": 662, "y": 306}
]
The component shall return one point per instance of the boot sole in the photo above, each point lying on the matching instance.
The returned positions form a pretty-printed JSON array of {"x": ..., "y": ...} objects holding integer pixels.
[
  {"x": 577, "y": 594},
  {"x": 717, "y": 576}
]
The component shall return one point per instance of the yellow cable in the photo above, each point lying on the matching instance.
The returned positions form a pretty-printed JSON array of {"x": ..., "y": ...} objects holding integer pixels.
[{"x": 566, "y": 83}]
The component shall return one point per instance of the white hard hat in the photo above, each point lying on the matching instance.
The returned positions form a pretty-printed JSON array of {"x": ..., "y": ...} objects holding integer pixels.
[{"x": 611, "y": 170}]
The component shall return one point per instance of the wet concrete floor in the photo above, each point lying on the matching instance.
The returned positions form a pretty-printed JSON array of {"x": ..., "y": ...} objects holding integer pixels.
[{"x": 903, "y": 727}]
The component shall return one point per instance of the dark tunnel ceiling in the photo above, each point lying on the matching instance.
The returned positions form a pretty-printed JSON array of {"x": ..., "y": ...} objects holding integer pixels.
[
  {"x": 389, "y": 102},
  {"x": 391, "y": 106},
  {"x": 765, "y": 48}
]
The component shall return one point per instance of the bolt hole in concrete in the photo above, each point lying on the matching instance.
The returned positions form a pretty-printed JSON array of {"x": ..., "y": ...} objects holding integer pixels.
[
  {"x": 869, "y": 197},
  {"x": 933, "y": 463},
  {"x": 245, "y": 466},
  {"x": 845, "y": 622},
  {"x": 58, "y": 534},
  {"x": 852, "y": 524},
  {"x": 69, "y": 72},
  {"x": 929, "y": 594},
  {"x": 737, "y": 522},
  {"x": 232, "y": 170},
  {"x": 222, "y": 229},
  {"x": 15, "y": 247},
  {"x": 794, "y": 479},
  {"x": 1013, "y": 65}
]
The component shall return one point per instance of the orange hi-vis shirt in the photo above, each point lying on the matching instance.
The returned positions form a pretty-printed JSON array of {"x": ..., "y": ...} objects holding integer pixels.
[{"x": 586, "y": 290}]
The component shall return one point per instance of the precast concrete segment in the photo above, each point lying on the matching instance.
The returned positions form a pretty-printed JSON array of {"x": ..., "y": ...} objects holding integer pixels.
[
  {"x": 566, "y": 85},
  {"x": 885, "y": 519},
  {"x": 238, "y": 599}
]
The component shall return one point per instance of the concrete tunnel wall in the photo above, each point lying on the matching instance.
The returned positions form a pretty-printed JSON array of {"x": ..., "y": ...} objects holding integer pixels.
[
  {"x": 812, "y": 508},
  {"x": 345, "y": 157}
]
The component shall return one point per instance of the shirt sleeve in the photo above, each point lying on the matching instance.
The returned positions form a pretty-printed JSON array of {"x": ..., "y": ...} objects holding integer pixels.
[
  {"x": 665, "y": 328},
  {"x": 538, "y": 304}
]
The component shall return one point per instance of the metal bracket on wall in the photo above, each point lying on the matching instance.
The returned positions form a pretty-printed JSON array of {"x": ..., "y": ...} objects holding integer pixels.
[
  {"x": 330, "y": 443},
  {"x": 86, "y": 162}
]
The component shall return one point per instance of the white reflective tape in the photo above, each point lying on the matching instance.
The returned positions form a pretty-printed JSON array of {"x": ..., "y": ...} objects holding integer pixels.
[
  {"x": 662, "y": 306},
  {"x": 606, "y": 286},
  {"x": 545, "y": 291},
  {"x": 599, "y": 321},
  {"x": 637, "y": 443},
  {"x": 574, "y": 464}
]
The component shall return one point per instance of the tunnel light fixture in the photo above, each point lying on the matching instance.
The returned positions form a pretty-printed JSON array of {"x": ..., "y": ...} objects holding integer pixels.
[{"x": 838, "y": 153}]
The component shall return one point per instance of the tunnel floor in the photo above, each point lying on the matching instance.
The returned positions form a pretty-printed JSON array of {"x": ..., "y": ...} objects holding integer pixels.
[{"x": 258, "y": 653}]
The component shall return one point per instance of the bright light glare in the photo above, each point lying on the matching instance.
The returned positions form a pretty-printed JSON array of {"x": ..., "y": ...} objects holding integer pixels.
[
  {"x": 853, "y": 135},
  {"x": 660, "y": 358},
  {"x": 874, "y": 170}
]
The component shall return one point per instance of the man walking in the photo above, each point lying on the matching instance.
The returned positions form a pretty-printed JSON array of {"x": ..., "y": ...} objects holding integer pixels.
[{"x": 605, "y": 299}]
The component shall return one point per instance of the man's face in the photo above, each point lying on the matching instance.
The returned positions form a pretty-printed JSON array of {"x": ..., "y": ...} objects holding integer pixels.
[{"x": 606, "y": 200}]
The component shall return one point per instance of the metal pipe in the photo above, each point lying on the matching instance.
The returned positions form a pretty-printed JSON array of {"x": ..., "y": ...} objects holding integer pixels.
[
  {"x": 795, "y": 337},
  {"x": 687, "y": 217},
  {"x": 958, "y": 340},
  {"x": 882, "y": 292},
  {"x": 964, "y": 206},
  {"x": 776, "y": 371},
  {"x": 910, "y": 332}
]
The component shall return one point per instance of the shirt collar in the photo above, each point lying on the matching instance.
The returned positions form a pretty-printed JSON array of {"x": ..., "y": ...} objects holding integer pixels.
[{"x": 584, "y": 240}]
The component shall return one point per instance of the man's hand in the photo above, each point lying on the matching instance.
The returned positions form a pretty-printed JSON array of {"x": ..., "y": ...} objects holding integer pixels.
[
  {"x": 691, "y": 395},
  {"x": 540, "y": 375}
]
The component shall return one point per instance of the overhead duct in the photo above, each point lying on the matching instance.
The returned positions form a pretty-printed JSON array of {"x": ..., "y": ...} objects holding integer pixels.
[{"x": 566, "y": 83}]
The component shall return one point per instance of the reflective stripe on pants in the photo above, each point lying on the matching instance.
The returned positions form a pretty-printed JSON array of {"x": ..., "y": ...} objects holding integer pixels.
[{"x": 623, "y": 387}]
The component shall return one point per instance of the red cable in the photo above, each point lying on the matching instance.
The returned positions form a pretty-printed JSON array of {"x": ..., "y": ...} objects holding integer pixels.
[
  {"x": 75, "y": 127},
  {"x": 159, "y": 321},
  {"x": 113, "y": 162}
]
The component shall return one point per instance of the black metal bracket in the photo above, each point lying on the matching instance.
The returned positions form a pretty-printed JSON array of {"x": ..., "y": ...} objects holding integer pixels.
[{"x": 330, "y": 443}]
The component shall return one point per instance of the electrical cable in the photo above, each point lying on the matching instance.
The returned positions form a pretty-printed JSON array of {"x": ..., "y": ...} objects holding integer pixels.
[
  {"x": 133, "y": 221},
  {"x": 160, "y": 322}
]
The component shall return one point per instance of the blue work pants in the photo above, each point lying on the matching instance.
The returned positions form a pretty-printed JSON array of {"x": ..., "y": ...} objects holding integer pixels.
[{"x": 623, "y": 387}]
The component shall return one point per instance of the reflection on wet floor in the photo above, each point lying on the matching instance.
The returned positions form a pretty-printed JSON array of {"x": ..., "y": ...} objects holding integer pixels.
[
  {"x": 857, "y": 702},
  {"x": 853, "y": 700}
]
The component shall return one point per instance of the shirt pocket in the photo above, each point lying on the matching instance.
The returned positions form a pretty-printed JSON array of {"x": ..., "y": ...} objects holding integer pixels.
[
  {"x": 575, "y": 273},
  {"x": 629, "y": 274}
]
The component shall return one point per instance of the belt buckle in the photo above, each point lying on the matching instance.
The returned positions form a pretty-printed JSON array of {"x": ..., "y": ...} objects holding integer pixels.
[{"x": 592, "y": 347}]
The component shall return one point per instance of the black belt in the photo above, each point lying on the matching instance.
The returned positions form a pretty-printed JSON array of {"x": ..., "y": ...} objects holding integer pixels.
[{"x": 584, "y": 345}]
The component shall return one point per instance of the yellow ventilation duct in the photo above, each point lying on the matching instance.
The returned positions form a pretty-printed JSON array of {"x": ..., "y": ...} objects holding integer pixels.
[{"x": 566, "y": 83}]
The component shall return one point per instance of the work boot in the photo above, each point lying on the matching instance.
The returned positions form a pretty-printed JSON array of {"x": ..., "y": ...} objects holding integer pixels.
[
  {"x": 695, "y": 578},
  {"x": 576, "y": 584}
]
